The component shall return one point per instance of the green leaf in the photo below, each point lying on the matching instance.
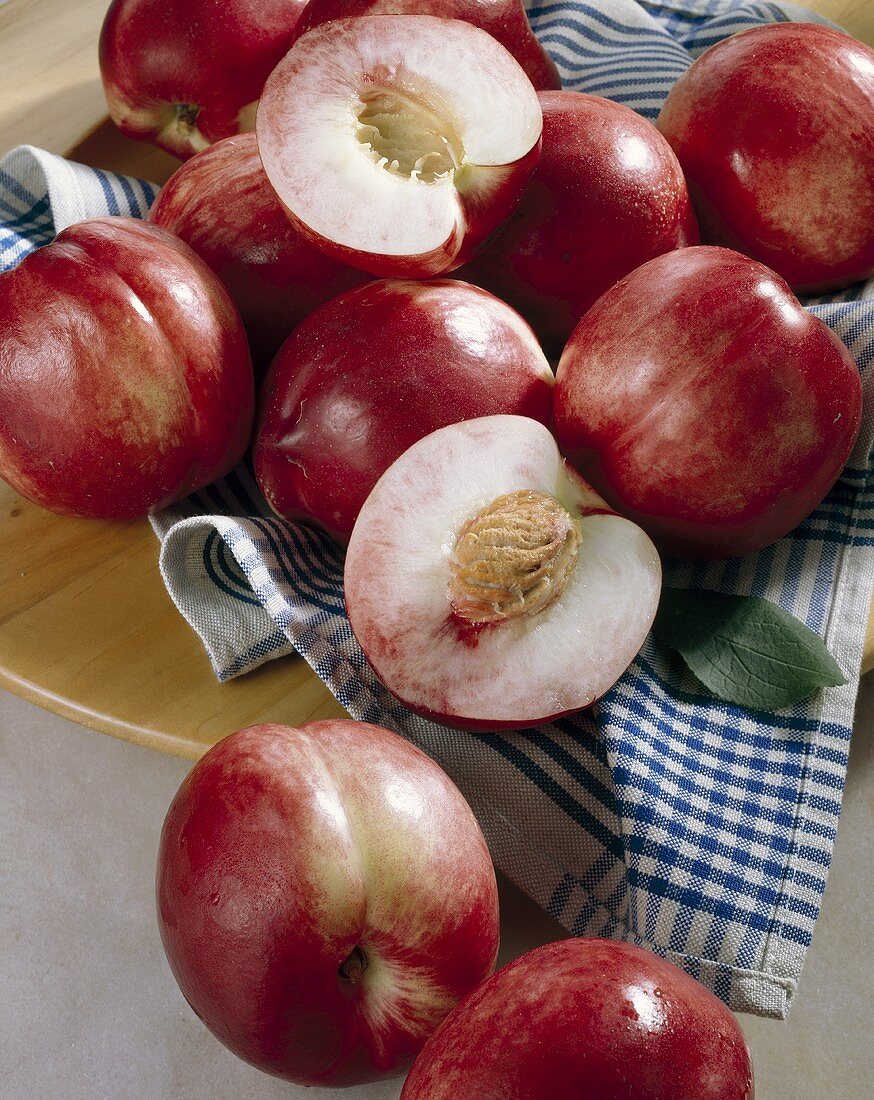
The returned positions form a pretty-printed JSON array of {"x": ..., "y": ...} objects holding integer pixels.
[{"x": 745, "y": 650}]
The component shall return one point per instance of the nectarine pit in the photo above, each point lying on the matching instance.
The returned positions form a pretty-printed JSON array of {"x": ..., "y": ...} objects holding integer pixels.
[
  {"x": 513, "y": 558},
  {"x": 406, "y": 135}
]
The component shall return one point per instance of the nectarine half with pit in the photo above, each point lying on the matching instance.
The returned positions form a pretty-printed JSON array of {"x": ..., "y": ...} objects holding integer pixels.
[{"x": 489, "y": 586}]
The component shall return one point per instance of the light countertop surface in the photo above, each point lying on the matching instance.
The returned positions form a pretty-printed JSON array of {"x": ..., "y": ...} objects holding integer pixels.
[{"x": 90, "y": 1009}]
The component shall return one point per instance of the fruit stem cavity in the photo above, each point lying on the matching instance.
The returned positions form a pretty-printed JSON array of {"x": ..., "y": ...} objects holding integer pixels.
[
  {"x": 353, "y": 967},
  {"x": 186, "y": 117}
]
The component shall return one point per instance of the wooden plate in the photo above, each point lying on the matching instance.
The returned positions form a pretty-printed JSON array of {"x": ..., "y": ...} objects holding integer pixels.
[{"x": 87, "y": 629}]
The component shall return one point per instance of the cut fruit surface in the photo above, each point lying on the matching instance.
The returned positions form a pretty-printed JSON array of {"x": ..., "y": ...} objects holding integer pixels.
[
  {"x": 399, "y": 143},
  {"x": 483, "y": 509}
]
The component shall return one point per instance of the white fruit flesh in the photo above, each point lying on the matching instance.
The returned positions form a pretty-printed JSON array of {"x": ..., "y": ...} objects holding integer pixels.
[
  {"x": 399, "y": 571},
  {"x": 370, "y": 128}
]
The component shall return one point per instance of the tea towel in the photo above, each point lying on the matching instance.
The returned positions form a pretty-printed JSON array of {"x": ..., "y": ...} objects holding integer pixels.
[{"x": 701, "y": 830}]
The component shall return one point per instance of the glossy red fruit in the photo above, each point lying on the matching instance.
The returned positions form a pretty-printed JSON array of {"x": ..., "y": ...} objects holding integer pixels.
[
  {"x": 184, "y": 73},
  {"x": 774, "y": 128},
  {"x": 125, "y": 378},
  {"x": 376, "y": 369},
  {"x": 503, "y": 19},
  {"x": 325, "y": 896},
  {"x": 398, "y": 143},
  {"x": 703, "y": 401},
  {"x": 586, "y": 1018},
  {"x": 607, "y": 195},
  {"x": 220, "y": 203}
]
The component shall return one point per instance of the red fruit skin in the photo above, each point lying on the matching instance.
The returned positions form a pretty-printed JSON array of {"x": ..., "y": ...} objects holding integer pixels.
[
  {"x": 371, "y": 372},
  {"x": 502, "y": 19},
  {"x": 283, "y": 851},
  {"x": 586, "y": 1018},
  {"x": 607, "y": 195},
  {"x": 774, "y": 128},
  {"x": 209, "y": 55},
  {"x": 125, "y": 377},
  {"x": 704, "y": 402},
  {"x": 220, "y": 203},
  {"x": 487, "y": 201}
]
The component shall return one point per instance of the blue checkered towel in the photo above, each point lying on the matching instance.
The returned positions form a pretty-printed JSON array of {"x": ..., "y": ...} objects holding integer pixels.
[{"x": 698, "y": 829}]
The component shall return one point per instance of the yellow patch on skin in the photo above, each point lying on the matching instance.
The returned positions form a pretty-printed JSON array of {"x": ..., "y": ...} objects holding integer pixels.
[
  {"x": 142, "y": 120},
  {"x": 312, "y": 825},
  {"x": 143, "y": 408},
  {"x": 246, "y": 117},
  {"x": 341, "y": 881},
  {"x": 401, "y": 997},
  {"x": 805, "y": 204}
]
